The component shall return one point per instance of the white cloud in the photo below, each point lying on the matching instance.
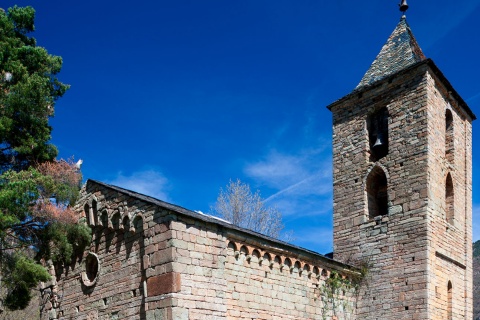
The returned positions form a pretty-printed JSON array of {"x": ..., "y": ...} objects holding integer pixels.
[
  {"x": 148, "y": 182},
  {"x": 298, "y": 182},
  {"x": 277, "y": 170},
  {"x": 302, "y": 182}
]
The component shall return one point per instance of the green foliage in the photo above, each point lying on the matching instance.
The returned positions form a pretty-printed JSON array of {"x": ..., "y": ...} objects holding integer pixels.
[
  {"x": 20, "y": 275},
  {"x": 62, "y": 242},
  {"x": 18, "y": 190},
  {"x": 34, "y": 211},
  {"x": 335, "y": 287},
  {"x": 28, "y": 91},
  {"x": 35, "y": 189}
]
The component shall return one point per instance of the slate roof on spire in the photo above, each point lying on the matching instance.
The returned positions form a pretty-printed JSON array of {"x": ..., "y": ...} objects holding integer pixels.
[{"x": 399, "y": 52}]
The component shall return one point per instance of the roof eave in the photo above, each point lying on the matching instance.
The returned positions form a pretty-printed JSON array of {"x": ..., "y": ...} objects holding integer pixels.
[
  {"x": 451, "y": 89},
  {"x": 435, "y": 70},
  {"x": 192, "y": 214}
]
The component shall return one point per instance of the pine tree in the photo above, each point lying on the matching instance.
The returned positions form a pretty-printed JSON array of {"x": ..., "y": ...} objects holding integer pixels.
[{"x": 36, "y": 190}]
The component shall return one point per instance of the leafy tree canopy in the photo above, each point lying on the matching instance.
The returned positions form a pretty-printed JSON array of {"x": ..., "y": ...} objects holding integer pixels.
[
  {"x": 36, "y": 190},
  {"x": 28, "y": 91}
]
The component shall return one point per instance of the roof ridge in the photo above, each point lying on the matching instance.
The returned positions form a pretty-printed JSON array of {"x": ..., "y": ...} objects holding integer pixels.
[{"x": 207, "y": 218}]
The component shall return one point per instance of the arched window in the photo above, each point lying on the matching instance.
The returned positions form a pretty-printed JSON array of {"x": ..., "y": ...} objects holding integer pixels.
[
  {"x": 116, "y": 220},
  {"x": 138, "y": 224},
  {"x": 104, "y": 218},
  {"x": 449, "y": 199},
  {"x": 91, "y": 213},
  {"x": 377, "y": 196},
  {"x": 125, "y": 224},
  {"x": 449, "y": 148},
  {"x": 95, "y": 212},
  {"x": 449, "y": 303},
  {"x": 86, "y": 209},
  {"x": 377, "y": 124}
]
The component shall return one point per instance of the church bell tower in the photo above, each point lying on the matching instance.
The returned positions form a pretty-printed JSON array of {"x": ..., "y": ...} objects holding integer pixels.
[{"x": 402, "y": 172}]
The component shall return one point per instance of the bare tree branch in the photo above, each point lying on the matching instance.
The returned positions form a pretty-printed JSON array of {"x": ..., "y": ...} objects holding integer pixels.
[{"x": 245, "y": 209}]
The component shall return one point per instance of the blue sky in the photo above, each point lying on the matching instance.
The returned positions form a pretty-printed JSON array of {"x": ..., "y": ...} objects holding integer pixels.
[{"x": 174, "y": 98}]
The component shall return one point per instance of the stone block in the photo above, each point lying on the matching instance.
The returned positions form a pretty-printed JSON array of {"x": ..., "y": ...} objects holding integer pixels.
[
  {"x": 164, "y": 283},
  {"x": 162, "y": 256}
]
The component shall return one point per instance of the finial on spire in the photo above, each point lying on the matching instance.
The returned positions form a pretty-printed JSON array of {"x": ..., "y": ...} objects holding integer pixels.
[{"x": 403, "y": 6}]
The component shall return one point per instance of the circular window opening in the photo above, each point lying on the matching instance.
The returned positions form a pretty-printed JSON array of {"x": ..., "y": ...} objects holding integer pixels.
[{"x": 92, "y": 266}]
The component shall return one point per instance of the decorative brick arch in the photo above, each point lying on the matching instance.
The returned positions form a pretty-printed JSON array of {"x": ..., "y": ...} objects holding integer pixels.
[
  {"x": 232, "y": 245},
  {"x": 316, "y": 271},
  {"x": 104, "y": 220},
  {"x": 91, "y": 211},
  {"x": 126, "y": 225},
  {"x": 278, "y": 260},
  {"x": 267, "y": 259},
  {"x": 244, "y": 250},
  {"x": 116, "y": 219},
  {"x": 137, "y": 223},
  {"x": 306, "y": 270},
  {"x": 289, "y": 264},
  {"x": 86, "y": 211}
]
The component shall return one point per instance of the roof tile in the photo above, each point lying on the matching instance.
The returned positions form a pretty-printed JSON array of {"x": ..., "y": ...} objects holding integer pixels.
[{"x": 400, "y": 51}]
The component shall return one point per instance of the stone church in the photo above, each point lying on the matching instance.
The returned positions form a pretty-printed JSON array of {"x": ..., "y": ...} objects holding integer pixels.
[{"x": 402, "y": 211}]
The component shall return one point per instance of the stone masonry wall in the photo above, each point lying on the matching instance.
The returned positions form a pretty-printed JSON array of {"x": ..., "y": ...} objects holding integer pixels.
[
  {"x": 157, "y": 261},
  {"x": 394, "y": 245},
  {"x": 224, "y": 278},
  {"x": 199, "y": 258},
  {"x": 266, "y": 284},
  {"x": 230, "y": 275},
  {"x": 118, "y": 292},
  {"x": 451, "y": 255},
  {"x": 414, "y": 252}
]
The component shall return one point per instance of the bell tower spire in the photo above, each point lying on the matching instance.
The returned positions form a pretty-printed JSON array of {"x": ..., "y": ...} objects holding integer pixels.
[
  {"x": 402, "y": 186},
  {"x": 399, "y": 52}
]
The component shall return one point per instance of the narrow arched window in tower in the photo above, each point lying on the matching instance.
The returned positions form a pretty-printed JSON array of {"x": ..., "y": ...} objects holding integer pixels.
[
  {"x": 377, "y": 196},
  {"x": 377, "y": 124},
  {"x": 449, "y": 303},
  {"x": 449, "y": 199},
  {"x": 449, "y": 141}
]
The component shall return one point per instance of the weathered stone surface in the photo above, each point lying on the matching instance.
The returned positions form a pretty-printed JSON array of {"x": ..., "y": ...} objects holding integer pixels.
[
  {"x": 190, "y": 269},
  {"x": 164, "y": 283},
  {"x": 163, "y": 262},
  {"x": 402, "y": 249}
]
